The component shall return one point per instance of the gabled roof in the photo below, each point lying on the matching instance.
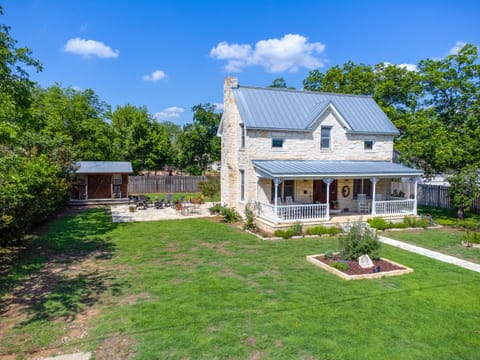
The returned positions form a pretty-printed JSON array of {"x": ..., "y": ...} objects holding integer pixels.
[
  {"x": 103, "y": 167},
  {"x": 292, "y": 110},
  {"x": 311, "y": 169}
]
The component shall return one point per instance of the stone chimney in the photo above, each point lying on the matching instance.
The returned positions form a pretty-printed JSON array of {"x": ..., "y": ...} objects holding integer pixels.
[{"x": 228, "y": 83}]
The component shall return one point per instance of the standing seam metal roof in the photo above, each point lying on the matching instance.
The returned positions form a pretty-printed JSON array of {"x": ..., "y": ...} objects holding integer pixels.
[
  {"x": 270, "y": 108},
  {"x": 103, "y": 167},
  {"x": 334, "y": 168}
]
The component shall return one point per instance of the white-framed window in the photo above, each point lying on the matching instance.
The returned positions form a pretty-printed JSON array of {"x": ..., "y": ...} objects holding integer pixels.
[
  {"x": 325, "y": 137},
  {"x": 117, "y": 179},
  {"x": 286, "y": 188},
  {"x": 242, "y": 136},
  {"x": 368, "y": 145},
  {"x": 242, "y": 185},
  {"x": 277, "y": 143}
]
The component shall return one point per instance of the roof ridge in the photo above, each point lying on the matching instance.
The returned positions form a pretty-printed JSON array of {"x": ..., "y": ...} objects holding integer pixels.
[{"x": 303, "y": 91}]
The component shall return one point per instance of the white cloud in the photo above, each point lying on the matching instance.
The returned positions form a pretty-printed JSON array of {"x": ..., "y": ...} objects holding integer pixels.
[
  {"x": 170, "y": 113},
  {"x": 155, "y": 76},
  {"x": 457, "y": 47},
  {"x": 288, "y": 53},
  {"x": 88, "y": 48},
  {"x": 409, "y": 67}
]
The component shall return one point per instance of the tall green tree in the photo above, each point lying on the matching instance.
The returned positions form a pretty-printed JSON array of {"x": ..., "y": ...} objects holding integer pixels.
[
  {"x": 34, "y": 167},
  {"x": 280, "y": 83},
  {"x": 199, "y": 144},
  {"x": 436, "y": 108},
  {"x": 140, "y": 139}
]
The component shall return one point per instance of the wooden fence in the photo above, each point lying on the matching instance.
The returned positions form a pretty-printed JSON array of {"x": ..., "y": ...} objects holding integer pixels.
[
  {"x": 437, "y": 196},
  {"x": 164, "y": 184}
]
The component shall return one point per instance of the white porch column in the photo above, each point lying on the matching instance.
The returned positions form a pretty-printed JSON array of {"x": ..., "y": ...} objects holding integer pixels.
[
  {"x": 276, "y": 182},
  {"x": 256, "y": 195},
  {"x": 374, "y": 181},
  {"x": 328, "y": 181},
  {"x": 415, "y": 190}
]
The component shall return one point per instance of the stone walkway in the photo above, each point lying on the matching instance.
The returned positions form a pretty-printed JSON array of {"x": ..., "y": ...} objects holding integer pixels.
[
  {"x": 431, "y": 254},
  {"x": 121, "y": 213}
]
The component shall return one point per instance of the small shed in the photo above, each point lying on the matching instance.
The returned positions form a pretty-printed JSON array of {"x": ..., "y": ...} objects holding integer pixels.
[{"x": 101, "y": 180}]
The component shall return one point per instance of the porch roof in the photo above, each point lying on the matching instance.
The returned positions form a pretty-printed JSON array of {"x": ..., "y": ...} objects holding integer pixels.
[{"x": 314, "y": 169}]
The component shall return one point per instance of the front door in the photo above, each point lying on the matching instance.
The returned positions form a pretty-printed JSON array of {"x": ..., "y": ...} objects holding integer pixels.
[{"x": 320, "y": 191}]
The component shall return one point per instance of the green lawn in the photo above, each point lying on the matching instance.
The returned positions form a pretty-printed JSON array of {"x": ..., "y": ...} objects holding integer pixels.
[
  {"x": 446, "y": 241},
  {"x": 191, "y": 289}
]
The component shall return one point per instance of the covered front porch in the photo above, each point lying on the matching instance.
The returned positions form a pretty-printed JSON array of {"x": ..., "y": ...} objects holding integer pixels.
[{"x": 289, "y": 191}]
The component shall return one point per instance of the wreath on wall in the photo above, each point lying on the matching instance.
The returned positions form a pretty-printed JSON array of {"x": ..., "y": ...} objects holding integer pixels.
[{"x": 345, "y": 191}]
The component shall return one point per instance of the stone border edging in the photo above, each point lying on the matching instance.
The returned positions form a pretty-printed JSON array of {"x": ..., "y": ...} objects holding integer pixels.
[{"x": 311, "y": 259}]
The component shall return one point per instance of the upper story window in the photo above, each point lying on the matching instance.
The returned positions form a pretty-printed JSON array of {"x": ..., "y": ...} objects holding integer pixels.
[
  {"x": 242, "y": 136},
  {"x": 368, "y": 145},
  {"x": 325, "y": 137},
  {"x": 277, "y": 143}
]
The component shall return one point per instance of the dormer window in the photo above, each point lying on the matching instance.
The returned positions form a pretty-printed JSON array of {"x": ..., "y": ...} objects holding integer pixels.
[
  {"x": 277, "y": 143},
  {"x": 325, "y": 137},
  {"x": 368, "y": 145}
]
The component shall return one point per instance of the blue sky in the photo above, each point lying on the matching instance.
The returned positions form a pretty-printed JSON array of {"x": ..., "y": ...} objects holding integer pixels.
[{"x": 172, "y": 55}]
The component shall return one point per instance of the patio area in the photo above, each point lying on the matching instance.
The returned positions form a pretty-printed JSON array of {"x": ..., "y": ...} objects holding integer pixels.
[{"x": 122, "y": 213}]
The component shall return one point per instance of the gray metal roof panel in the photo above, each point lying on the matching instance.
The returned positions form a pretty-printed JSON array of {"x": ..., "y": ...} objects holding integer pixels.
[
  {"x": 270, "y": 108},
  {"x": 103, "y": 167},
  {"x": 323, "y": 168}
]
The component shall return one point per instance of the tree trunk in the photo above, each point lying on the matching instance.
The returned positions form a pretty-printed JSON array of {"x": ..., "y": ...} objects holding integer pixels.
[{"x": 460, "y": 213}]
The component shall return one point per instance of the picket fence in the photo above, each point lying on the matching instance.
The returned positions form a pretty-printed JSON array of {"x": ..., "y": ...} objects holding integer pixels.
[
  {"x": 437, "y": 196},
  {"x": 164, "y": 184}
]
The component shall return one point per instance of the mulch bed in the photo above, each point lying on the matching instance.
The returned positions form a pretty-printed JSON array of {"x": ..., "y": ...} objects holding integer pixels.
[{"x": 355, "y": 269}]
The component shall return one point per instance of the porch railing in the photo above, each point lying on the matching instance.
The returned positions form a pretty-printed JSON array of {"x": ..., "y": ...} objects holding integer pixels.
[
  {"x": 395, "y": 207},
  {"x": 292, "y": 213}
]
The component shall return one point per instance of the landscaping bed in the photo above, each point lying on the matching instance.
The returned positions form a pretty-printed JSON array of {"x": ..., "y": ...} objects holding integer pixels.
[{"x": 381, "y": 267}]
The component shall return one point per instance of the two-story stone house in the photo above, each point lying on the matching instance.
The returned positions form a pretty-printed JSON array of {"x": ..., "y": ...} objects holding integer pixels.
[{"x": 305, "y": 156}]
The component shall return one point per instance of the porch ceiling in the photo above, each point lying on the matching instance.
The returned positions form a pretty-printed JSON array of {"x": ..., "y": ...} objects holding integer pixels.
[{"x": 314, "y": 169}]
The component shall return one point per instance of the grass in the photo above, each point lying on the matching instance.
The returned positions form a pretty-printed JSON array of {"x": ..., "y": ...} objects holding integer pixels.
[
  {"x": 448, "y": 217},
  {"x": 199, "y": 289}
]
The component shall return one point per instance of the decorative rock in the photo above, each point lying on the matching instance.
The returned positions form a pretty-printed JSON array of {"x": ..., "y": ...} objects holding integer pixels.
[{"x": 365, "y": 262}]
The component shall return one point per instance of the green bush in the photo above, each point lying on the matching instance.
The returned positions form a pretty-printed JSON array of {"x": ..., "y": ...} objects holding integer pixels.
[
  {"x": 378, "y": 223},
  {"x": 211, "y": 187},
  {"x": 323, "y": 230},
  {"x": 339, "y": 265},
  {"x": 412, "y": 221},
  {"x": 471, "y": 237},
  {"x": 229, "y": 214},
  {"x": 297, "y": 229},
  {"x": 328, "y": 254},
  {"x": 216, "y": 208},
  {"x": 358, "y": 241},
  {"x": 286, "y": 234},
  {"x": 250, "y": 218}
]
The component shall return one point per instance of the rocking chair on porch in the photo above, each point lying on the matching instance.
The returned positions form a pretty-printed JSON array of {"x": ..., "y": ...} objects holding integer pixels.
[{"x": 362, "y": 204}]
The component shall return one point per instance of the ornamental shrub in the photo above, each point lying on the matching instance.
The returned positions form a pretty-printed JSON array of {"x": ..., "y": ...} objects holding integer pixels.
[
  {"x": 229, "y": 214},
  {"x": 359, "y": 240},
  {"x": 339, "y": 265},
  {"x": 250, "y": 218},
  {"x": 323, "y": 230}
]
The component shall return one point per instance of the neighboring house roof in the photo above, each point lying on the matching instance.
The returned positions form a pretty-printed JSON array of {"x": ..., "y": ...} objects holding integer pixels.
[
  {"x": 282, "y": 109},
  {"x": 331, "y": 168},
  {"x": 102, "y": 167}
]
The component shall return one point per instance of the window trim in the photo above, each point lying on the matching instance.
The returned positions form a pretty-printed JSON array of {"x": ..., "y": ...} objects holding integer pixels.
[
  {"x": 329, "y": 128},
  {"x": 242, "y": 136},
  {"x": 242, "y": 185},
  {"x": 278, "y": 139},
  {"x": 365, "y": 145}
]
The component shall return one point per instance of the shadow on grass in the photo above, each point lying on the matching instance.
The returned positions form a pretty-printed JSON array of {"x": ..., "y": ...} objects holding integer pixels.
[{"x": 56, "y": 274}]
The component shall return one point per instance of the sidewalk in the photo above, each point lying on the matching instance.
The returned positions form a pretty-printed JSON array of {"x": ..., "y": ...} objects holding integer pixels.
[{"x": 431, "y": 254}]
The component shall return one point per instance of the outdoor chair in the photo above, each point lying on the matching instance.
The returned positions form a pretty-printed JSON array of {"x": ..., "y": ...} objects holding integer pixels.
[
  {"x": 168, "y": 199},
  {"x": 362, "y": 204}
]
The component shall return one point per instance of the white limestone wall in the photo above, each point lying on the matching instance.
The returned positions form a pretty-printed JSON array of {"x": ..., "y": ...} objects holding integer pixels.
[{"x": 296, "y": 146}]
